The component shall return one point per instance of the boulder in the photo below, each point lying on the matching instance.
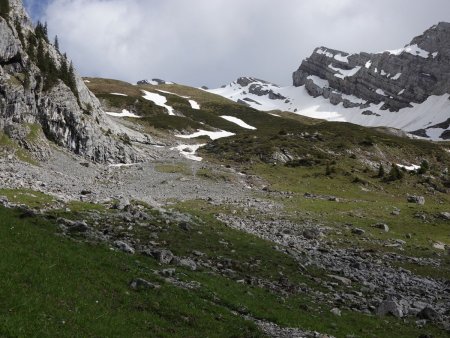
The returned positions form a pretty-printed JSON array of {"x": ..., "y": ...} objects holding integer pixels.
[
  {"x": 125, "y": 247},
  {"x": 429, "y": 313},
  {"x": 358, "y": 231},
  {"x": 416, "y": 199},
  {"x": 382, "y": 226},
  {"x": 390, "y": 307},
  {"x": 142, "y": 284}
]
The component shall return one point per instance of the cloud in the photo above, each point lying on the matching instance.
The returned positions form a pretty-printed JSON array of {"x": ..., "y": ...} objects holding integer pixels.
[{"x": 212, "y": 42}]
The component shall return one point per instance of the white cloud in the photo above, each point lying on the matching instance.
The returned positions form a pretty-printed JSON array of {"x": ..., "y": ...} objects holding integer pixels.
[{"x": 213, "y": 41}]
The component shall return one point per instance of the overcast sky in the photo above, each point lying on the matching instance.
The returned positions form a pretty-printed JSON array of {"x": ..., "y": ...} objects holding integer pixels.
[{"x": 212, "y": 42}]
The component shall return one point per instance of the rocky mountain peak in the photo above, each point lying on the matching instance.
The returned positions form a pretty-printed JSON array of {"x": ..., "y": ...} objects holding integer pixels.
[
  {"x": 435, "y": 39},
  {"x": 392, "y": 80}
]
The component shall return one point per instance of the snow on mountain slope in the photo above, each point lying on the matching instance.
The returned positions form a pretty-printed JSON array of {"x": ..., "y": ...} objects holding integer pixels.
[
  {"x": 408, "y": 88},
  {"x": 424, "y": 116},
  {"x": 158, "y": 100}
]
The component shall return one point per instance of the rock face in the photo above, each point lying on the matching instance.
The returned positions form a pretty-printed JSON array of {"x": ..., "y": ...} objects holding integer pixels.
[
  {"x": 393, "y": 79},
  {"x": 75, "y": 123}
]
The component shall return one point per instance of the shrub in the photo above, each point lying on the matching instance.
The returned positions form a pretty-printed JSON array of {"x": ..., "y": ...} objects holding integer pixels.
[
  {"x": 380, "y": 171},
  {"x": 395, "y": 174},
  {"x": 424, "y": 166}
]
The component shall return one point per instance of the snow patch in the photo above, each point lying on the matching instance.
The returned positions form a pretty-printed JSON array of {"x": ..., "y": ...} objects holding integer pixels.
[
  {"x": 341, "y": 58},
  {"x": 368, "y": 64},
  {"x": 353, "y": 99},
  {"x": 239, "y": 122},
  {"x": 213, "y": 135},
  {"x": 194, "y": 104},
  {"x": 188, "y": 151},
  {"x": 343, "y": 73},
  {"x": 401, "y": 92},
  {"x": 381, "y": 92},
  {"x": 318, "y": 81},
  {"x": 121, "y": 165},
  {"x": 124, "y": 113},
  {"x": 413, "y": 50},
  {"x": 119, "y": 94},
  {"x": 324, "y": 52},
  {"x": 412, "y": 167},
  {"x": 166, "y": 92},
  {"x": 159, "y": 100},
  {"x": 396, "y": 76}
]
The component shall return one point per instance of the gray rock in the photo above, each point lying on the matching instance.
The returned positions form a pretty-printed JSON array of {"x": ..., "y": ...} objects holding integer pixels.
[
  {"x": 311, "y": 233},
  {"x": 429, "y": 313},
  {"x": 358, "y": 231},
  {"x": 390, "y": 307},
  {"x": 382, "y": 226},
  {"x": 163, "y": 256},
  {"x": 336, "y": 312},
  {"x": 185, "y": 226},
  {"x": 141, "y": 284},
  {"x": 125, "y": 247},
  {"x": 416, "y": 199},
  {"x": 78, "y": 226},
  {"x": 168, "y": 272},
  {"x": 186, "y": 262},
  {"x": 445, "y": 215}
]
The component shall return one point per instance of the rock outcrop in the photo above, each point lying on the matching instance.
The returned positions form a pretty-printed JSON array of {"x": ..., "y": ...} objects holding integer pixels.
[
  {"x": 393, "y": 78},
  {"x": 71, "y": 118}
]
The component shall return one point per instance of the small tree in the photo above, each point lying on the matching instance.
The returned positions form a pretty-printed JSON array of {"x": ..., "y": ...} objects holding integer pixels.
[
  {"x": 424, "y": 166},
  {"x": 4, "y": 8},
  {"x": 56, "y": 43},
  {"x": 329, "y": 170},
  {"x": 380, "y": 171},
  {"x": 395, "y": 174}
]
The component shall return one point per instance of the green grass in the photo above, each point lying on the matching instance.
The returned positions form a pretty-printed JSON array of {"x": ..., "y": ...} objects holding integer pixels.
[
  {"x": 31, "y": 198},
  {"x": 9, "y": 146},
  {"x": 57, "y": 287},
  {"x": 175, "y": 168}
]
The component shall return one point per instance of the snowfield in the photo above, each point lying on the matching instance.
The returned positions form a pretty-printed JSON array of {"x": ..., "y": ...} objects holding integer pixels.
[{"x": 434, "y": 110}]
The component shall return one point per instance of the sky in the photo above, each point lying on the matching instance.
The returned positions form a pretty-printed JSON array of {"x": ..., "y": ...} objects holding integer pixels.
[{"x": 213, "y": 42}]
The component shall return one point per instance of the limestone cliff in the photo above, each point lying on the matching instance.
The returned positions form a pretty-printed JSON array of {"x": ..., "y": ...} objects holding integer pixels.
[{"x": 70, "y": 117}]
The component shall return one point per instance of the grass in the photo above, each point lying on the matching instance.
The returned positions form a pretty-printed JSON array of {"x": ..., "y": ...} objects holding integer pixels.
[
  {"x": 176, "y": 168},
  {"x": 63, "y": 287},
  {"x": 31, "y": 198},
  {"x": 9, "y": 146}
]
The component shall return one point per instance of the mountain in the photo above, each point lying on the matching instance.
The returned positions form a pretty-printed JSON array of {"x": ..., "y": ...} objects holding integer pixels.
[
  {"x": 408, "y": 88},
  {"x": 40, "y": 94}
]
